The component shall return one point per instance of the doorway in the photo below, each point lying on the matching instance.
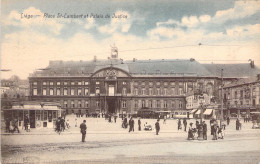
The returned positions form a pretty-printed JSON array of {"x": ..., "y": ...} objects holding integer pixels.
[
  {"x": 111, "y": 103},
  {"x": 32, "y": 118}
]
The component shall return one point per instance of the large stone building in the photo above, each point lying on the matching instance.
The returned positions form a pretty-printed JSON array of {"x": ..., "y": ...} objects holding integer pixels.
[
  {"x": 242, "y": 96},
  {"x": 117, "y": 86}
]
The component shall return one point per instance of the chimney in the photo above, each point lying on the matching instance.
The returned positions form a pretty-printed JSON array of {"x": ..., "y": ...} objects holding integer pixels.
[
  {"x": 252, "y": 64},
  {"x": 134, "y": 59},
  {"x": 95, "y": 58}
]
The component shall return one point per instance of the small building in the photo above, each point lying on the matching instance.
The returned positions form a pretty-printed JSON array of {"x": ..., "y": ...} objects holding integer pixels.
[{"x": 40, "y": 116}]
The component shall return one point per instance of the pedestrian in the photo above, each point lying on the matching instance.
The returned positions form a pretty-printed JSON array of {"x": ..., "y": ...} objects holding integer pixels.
[
  {"x": 68, "y": 124},
  {"x": 26, "y": 122},
  {"x": 139, "y": 124},
  {"x": 211, "y": 126},
  {"x": 7, "y": 125},
  {"x": 83, "y": 130},
  {"x": 204, "y": 130},
  {"x": 131, "y": 124},
  {"x": 191, "y": 132},
  {"x": 109, "y": 118},
  {"x": 76, "y": 122},
  {"x": 221, "y": 132},
  {"x": 58, "y": 126},
  {"x": 16, "y": 125},
  {"x": 197, "y": 124},
  {"x": 237, "y": 124},
  {"x": 157, "y": 126},
  {"x": 228, "y": 120},
  {"x": 164, "y": 120},
  {"x": 185, "y": 124},
  {"x": 215, "y": 130},
  {"x": 179, "y": 124},
  {"x": 62, "y": 124},
  {"x": 115, "y": 118}
]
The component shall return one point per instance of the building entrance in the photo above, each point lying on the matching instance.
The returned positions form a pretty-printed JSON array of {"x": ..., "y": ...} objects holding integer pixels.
[{"x": 111, "y": 104}]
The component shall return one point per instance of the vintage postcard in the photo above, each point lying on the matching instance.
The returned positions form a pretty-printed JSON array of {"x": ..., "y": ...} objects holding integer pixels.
[{"x": 133, "y": 81}]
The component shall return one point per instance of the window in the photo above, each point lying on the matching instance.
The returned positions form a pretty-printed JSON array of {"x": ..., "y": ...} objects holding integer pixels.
[
  {"x": 173, "y": 104},
  {"x": 158, "y": 91},
  {"x": 135, "y": 83},
  {"x": 150, "y": 83},
  {"x": 65, "y": 104},
  {"x": 97, "y": 90},
  {"x": 72, "y": 83},
  {"x": 97, "y": 82},
  {"x": 51, "y": 83},
  {"x": 79, "y": 104},
  {"x": 150, "y": 91},
  {"x": 158, "y": 104},
  {"x": 180, "y": 83},
  {"x": 35, "y": 83},
  {"x": 123, "y": 104},
  {"x": 34, "y": 91},
  {"x": 136, "y": 91},
  {"x": 72, "y": 104},
  {"x": 72, "y": 91},
  {"x": 86, "y": 82},
  {"x": 65, "y": 83},
  {"x": 253, "y": 92},
  {"x": 173, "y": 91},
  {"x": 79, "y": 91},
  {"x": 158, "y": 83},
  {"x": 143, "y": 103},
  {"x": 51, "y": 91},
  {"x": 150, "y": 103},
  {"x": 58, "y": 83},
  {"x": 235, "y": 94},
  {"x": 136, "y": 104},
  {"x": 180, "y": 104},
  {"x": 44, "y": 83},
  {"x": 79, "y": 83},
  {"x": 97, "y": 104},
  {"x": 143, "y": 91},
  {"x": 124, "y": 83},
  {"x": 65, "y": 91},
  {"x": 44, "y": 91},
  {"x": 172, "y": 83},
  {"x": 165, "y": 91},
  {"x": 180, "y": 91},
  {"x": 241, "y": 94},
  {"x": 165, "y": 104},
  {"x": 86, "y": 91},
  {"x": 124, "y": 91},
  {"x": 165, "y": 83},
  {"x": 143, "y": 83},
  {"x": 58, "y": 91},
  {"x": 143, "y": 72},
  {"x": 86, "y": 104},
  {"x": 253, "y": 103}
]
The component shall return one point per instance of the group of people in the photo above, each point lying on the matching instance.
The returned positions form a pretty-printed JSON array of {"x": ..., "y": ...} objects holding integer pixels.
[
  {"x": 61, "y": 124},
  {"x": 11, "y": 125},
  {"x": 180, "y": 124},
  {"x": 217, "y": 131},
  {"x": 199, "y": 129}
]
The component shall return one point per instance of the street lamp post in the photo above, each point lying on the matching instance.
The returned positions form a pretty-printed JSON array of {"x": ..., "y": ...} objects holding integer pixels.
[
  {"x": 221, "y": 114},
  {"x": 200, "y": 129}
]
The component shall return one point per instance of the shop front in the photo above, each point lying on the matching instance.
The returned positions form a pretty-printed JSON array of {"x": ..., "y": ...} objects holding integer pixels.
[{"x": 40, "y": 116}]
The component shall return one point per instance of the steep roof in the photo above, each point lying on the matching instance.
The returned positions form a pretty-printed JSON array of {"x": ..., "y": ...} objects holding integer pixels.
[
  {"x": 149, "y": 68},
  {"x": 241, "y": 70},
  {"x": 167, "y": 67},
  {"x": 242, "y": 82}
]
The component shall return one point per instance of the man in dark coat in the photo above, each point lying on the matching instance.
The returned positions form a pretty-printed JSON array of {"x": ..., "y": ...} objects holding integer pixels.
[
  {"x": 83, "y": 130},
  {"x": 185, "y": 124},
  {"x": 26, "y": 122},
  {"x": 204, "y": 130},
  {"x": 237, "y": 124},
  {"x": 139, "y": 124},
  {"x": 157, "y": 126},
  {"x": 131, "y": 125},
  {"x": 7, "y": 125},
  {"x": 228, "y": 120},
  {"x": 179, "y": 124}
]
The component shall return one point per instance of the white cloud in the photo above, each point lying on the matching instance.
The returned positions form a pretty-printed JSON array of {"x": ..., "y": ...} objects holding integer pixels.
[
  {"x": 22, "y": 20},
  {"x": 118, "y": 24},
  {"x": 204, "y": 18},
  {"x": 90, "y": 22}
]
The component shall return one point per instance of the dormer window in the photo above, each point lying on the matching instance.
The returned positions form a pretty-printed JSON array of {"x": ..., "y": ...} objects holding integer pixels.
[
  {"x": 143, "y": 71},
  {"x": 158, "y": 72}
]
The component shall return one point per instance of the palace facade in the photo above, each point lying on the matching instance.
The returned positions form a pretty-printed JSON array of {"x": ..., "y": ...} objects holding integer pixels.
[{"x": 124, "y": 87}]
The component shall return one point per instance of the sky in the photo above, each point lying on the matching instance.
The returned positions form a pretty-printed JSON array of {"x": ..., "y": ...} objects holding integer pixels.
[{"x": 35, "y": 32}]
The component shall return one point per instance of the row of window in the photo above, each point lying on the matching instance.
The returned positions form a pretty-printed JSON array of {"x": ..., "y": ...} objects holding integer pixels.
[
  {"x": 69, "y": 83},
  {"x": 159, "y": 91},
  {"x": 160, "y": 83}
]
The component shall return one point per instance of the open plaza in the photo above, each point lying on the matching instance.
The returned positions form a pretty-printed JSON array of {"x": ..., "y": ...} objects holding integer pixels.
[{"x": 110, "y": 143}]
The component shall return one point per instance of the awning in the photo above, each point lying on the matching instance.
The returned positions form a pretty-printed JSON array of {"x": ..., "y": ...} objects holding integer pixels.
[
  {"x": 198, "y": 112},
  {"x": 33, "y": 107},
  {"x": 193, "y": 110},
  {"x": 208, "y": 111}
]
